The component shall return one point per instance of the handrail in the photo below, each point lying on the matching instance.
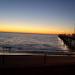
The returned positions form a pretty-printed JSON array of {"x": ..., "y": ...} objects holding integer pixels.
[{"x": 45, "y": 53}]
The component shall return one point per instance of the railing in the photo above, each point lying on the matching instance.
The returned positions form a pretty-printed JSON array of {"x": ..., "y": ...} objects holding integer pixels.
[{"x": 38, "y": 52}]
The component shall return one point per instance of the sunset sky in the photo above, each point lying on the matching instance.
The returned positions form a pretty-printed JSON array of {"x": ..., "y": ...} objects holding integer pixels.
[{"x": 37, "y": 16}]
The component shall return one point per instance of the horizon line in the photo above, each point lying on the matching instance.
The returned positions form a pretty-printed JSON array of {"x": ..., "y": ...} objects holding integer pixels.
[{"x": 31, "y": 32}]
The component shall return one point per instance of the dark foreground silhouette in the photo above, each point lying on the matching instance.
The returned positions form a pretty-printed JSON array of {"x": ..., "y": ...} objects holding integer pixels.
[{"x": 69, "y": 40}]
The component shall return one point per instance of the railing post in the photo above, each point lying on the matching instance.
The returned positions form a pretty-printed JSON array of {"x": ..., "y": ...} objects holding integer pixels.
[{"x": 45, "y": 55}]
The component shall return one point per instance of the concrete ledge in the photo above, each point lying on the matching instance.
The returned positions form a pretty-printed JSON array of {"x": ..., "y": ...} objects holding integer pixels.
[{"x": 34, "y": 60}]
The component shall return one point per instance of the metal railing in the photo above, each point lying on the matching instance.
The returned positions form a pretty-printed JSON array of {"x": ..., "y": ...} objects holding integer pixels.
[{"x": 38, "y": 52}]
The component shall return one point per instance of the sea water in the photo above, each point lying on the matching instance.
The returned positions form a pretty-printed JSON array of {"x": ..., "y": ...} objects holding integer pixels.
[{"x": 32, "y": 42}]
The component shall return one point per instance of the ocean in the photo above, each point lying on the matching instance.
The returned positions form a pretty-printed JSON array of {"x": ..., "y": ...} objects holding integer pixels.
[{"x": 21, "y": 42}]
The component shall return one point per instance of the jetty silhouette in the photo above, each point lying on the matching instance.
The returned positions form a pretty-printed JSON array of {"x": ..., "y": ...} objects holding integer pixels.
[{"x": 69, "y": 40}]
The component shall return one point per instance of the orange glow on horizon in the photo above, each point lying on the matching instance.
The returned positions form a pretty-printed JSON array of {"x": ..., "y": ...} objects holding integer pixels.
[
  {"x": 28, "y": 28},
  {"x": 37, "y": 32}
]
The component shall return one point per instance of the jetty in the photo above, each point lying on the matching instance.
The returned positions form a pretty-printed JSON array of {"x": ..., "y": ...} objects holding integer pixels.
[{"x": 69, "y": 40}]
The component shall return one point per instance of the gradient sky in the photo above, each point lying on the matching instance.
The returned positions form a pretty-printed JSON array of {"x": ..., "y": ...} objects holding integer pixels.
[{"x": 37, "y": 16}]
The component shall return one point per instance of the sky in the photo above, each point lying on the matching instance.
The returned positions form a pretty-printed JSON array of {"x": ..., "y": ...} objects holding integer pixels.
[{"x": 37, "y": 16}]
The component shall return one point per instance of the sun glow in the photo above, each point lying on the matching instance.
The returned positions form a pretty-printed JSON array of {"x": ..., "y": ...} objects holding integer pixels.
[{"x": 30, "y": 28}]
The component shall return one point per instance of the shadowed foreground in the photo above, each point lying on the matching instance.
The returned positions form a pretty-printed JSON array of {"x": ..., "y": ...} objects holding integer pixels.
[
  {"x": 34, "y": 60},
  {"x": 35, "y": 64}
]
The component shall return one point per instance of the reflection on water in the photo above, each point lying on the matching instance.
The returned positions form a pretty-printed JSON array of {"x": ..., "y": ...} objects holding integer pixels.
[{"x": 34, "y": 42}]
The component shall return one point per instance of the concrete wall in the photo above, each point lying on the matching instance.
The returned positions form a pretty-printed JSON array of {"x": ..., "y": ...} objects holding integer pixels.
[{"x": 34, "y": 60}]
